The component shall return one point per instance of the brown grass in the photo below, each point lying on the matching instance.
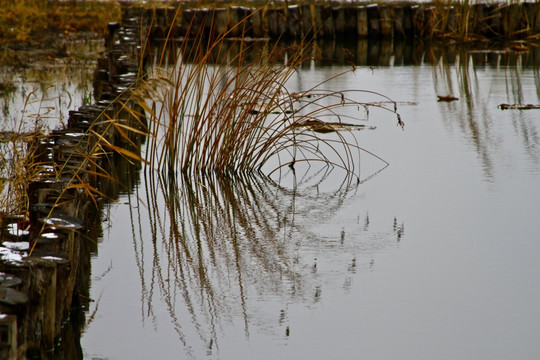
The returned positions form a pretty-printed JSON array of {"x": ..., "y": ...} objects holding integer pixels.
[
  {"x": 214, "y": 110},
  {"x": 26, "y": 20}
]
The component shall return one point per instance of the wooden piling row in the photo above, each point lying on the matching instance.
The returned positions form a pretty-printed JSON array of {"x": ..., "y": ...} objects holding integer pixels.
[
  {"x": 335, "y": 20},
  {"x": 47, "y": 272}
]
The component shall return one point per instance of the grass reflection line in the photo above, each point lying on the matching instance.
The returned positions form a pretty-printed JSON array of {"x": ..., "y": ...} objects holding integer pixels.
[{"x": 216, "y": 242}]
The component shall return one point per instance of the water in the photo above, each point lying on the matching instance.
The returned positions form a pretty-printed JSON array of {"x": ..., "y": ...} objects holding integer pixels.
[{"x": 435, "y": 257}]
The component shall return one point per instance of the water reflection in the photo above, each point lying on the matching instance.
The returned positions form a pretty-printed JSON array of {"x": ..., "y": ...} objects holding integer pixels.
[
  {"x": 387, "y": 52},
  {"x": 217, "y": 256},
  {"x": 222, "y": 248},
  {"x": 462, "y": 73}
]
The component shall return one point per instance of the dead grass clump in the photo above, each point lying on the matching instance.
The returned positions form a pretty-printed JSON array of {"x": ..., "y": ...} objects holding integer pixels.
[
  {"x": 25, "y": 20},
  {"x": 212, "y": 110}
]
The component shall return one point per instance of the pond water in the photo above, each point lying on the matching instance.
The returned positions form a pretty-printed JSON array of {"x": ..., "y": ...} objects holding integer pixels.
[{"x": 435, "y": 257}]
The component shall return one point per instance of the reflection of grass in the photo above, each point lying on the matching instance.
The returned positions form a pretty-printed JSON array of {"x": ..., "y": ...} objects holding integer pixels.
[
  {"x": 458, "y": 71},
  {"x": 218, "y": 244}
]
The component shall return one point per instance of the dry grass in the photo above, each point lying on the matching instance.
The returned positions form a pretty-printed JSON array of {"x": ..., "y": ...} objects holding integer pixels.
[
  {"x": 23, "y": 20},
  {"x": 470, "y": 21},
  {"x": 18, "y": 164},
  {"x": 215, "y": 111},
  {"x": 212, "y": 111}
]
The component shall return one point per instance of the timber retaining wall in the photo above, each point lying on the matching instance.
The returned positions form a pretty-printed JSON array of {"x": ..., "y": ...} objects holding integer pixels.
[{"x": 336, "y": 20}]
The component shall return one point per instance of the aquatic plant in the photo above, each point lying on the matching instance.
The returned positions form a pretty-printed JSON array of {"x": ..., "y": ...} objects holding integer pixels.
[{"x": 216, "y": 106}]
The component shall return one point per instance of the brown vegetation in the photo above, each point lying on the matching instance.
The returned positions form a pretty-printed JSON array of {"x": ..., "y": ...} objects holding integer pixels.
[{"x": 27, "y": 20}]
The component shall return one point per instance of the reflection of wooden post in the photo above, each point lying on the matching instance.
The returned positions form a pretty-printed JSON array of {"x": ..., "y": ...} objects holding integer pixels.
[
  {"x": 361, "y": 51},
  {"x": 8, "y": 337}
]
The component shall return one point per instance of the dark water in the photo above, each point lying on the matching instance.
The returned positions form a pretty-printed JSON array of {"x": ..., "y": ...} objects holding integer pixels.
[{"x": 435, "y": 257}]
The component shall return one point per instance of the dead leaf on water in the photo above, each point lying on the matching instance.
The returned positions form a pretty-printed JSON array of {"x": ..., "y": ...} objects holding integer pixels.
[{"x": 446, "y": 98}]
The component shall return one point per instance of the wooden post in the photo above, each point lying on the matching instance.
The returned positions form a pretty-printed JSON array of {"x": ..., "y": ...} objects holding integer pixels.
[
  {"x": 388, "y": 21},
  {"x": 362, "y": 25},
  {"x": 328, "y": 29},
  {"x": 294, "y": 29},
  {"x": 8, "y": 337},
  {"x": 306, "y": 20},
  {"x": 374, "y": 21}
]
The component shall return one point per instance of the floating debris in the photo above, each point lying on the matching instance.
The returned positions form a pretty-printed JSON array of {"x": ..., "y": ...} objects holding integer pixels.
[
  {"x": 518, "y": 106},
  {"x": 519, "y": 48},
  {"x": 446, "y": 98},
  {"x": 327, "y": 127}
]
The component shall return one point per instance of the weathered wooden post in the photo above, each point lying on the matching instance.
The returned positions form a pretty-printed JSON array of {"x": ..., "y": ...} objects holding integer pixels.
[
  {"x": 328, "y": 27},
  {"x": 511, "y": 18},
  {"x": 338, "y": 14},
  {"x": 362, "y": 22},
  {"x": 316, "y": 15},
  {"x": 257, "y": 28},
  {"x": 218, "y": 22},
  {"x": 536, "y": 24},
  {"x": 387, "y": 19},
  {"x": 294, "y": 29},
  {"x": 276, "y": 23},
  {"x": 374, "y": 22},
  {"x": 481, "y": 19},
  {"x": 8, "y": 337},
  {"x": 306, "y": 20}
]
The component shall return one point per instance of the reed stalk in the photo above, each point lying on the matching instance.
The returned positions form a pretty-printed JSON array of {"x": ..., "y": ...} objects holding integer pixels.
[{"x": 212, "y": 110}]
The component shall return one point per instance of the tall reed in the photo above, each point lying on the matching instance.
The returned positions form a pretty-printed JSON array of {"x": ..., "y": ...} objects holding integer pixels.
[{"x": 214, "y": 110}]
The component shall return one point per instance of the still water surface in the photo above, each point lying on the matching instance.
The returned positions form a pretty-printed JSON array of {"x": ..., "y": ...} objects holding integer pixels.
[{"x": 436, "y": 257}]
